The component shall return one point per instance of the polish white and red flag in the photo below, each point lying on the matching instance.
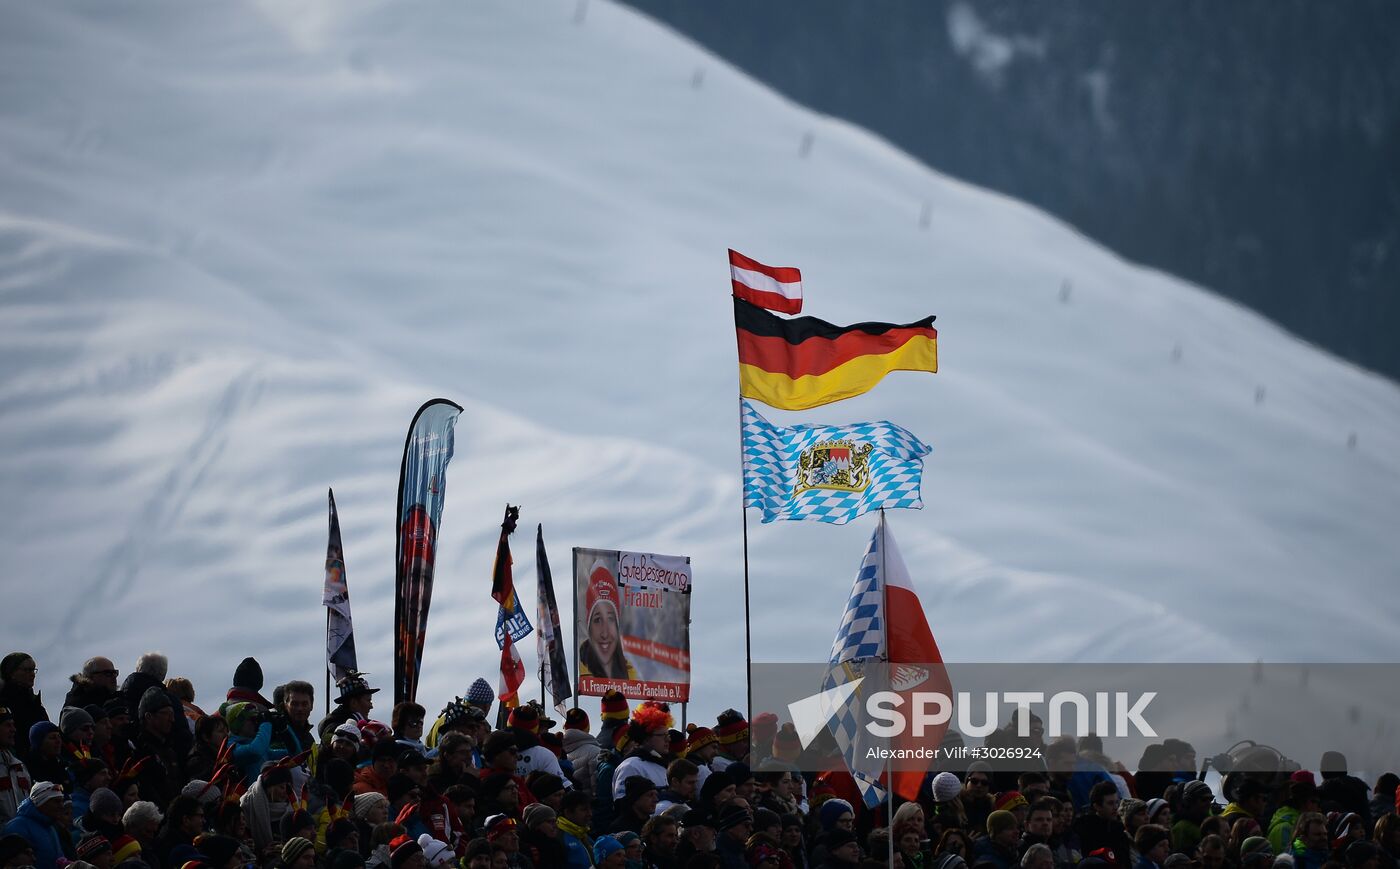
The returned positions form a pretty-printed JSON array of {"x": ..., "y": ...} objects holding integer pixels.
[{"x": 777, "y": 288}]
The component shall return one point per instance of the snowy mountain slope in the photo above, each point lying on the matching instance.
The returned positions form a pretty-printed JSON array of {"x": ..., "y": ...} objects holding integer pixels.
[{"x": 241, "y": 242}]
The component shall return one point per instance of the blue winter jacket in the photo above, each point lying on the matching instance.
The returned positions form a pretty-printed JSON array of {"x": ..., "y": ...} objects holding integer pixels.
[
  {"x": 251, "y": 752},
  {"x": 575, "y": 853},
  {"x": 39, "y": 832}
]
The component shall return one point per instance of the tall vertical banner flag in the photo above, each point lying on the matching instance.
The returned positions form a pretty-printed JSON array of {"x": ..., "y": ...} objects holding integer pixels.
[
  {"x": 422, "y": 487},
  {"x": 776, "y": 288},
  {"x": 632, "y": 624},
  {"x": 340, "y": 630},
  {"x": 885, "y": 622},
  {"x": 829, "y": 473},
  {"x": 804, "y": 362},
  {"x": 511, "y": 624},
  {"x": 549, "y": 645}
]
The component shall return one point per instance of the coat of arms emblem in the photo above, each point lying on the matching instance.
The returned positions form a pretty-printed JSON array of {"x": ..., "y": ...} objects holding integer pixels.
[{"x": 843, "y": 466}]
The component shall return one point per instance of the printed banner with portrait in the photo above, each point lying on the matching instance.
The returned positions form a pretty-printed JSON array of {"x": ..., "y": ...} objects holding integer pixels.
[{"x": 632, "y": 624}]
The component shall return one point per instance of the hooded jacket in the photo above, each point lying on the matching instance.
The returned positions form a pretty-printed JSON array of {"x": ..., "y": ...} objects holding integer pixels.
[
  {"x": 582, "y": 750},
  {"x": 39, "y": 832}
]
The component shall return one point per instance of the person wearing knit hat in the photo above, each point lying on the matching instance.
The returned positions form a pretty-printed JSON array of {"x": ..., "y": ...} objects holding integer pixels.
[
  {"x": 547, "y": 787},
  {"x": 40, "y": 821},
  {"x": 104, "y": 812},
  {"x": 607, "y": 853},
  {"x": 536, "y": 814},
  {"x": 600, "y": 653},
  {"x": 787, "y": 745},
  {"x": 76, "y": 725},
  {"x": 1153, "y": 844},
  {"x": 732, "y": 732},
  {"x": 406, "y": 853},
  {"x": 735, "y": 826},
  {"x": 613, "y": 715},
  {"x": 577, "y": 719},
  {"x": 503, "y": 831},
  {"x": 1159, "y": 812},
  {"x": 1013, "y": 802},
  {"x": 700, "y": 744},
  {"x": 531, "y": 754},
  {"x": 1256, "y": 852},
  {"x": 248, "y": 684},
  {"x": 481, "y": 695},
  {"x": 836, "y": 813},
  {"x": 742, "y": 776},
  {"x": 999, "y": 845},
  {"x": 842, "y": 848},
  {"x": 92, "y": 846},
  {"x": 372, "y": 808},
  {"x": 539, "y": 837},
  {"x": 999, "y": 822},
  {"x": 436, "y": 853},
  {"x": 124, "y": 849},
  {"x": 717, "y": 790},
  {"x": 45, "y": 760},
  {"x": 636, "y": 804},
  {"x": 675, "y": 745},
  {"x": 1132, "y": 812},
  {"x": 945, "y": 787}
]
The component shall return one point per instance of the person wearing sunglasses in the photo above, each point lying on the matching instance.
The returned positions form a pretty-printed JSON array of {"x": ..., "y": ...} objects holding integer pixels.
[{"x": 95, "y": 684}]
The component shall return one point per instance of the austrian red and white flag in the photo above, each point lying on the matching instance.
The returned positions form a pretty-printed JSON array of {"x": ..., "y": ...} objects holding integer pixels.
[
  {"x": 512, "y": 675},
  {"x": 777, "y": 288}
]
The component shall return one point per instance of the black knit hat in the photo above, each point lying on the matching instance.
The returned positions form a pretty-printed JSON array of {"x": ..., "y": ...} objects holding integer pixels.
[
  {"x": 635, "y": 786},
  {"x": 248, "y": 675},
  {"x": 497, "y": 742}
]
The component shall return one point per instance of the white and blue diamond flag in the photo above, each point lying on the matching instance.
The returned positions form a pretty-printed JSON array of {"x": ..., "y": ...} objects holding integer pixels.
[
  {"x": 829, "y": 473},
  {"x": 859, "y": 640}
]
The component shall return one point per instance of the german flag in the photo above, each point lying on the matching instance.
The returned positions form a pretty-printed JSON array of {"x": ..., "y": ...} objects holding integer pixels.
[{"x": 803, "y": 362}]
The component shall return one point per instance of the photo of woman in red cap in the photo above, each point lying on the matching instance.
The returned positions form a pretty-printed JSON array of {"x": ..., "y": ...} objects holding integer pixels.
[{"x": 601, "y": 653}]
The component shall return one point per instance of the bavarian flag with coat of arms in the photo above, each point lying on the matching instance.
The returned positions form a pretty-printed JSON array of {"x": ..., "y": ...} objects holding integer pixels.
[{"x": 829, "y": 473}]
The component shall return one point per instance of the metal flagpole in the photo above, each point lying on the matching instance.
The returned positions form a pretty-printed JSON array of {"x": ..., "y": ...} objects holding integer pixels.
[
  {"x": 574, "y": 631},
  {"x": 748, "y": 633},
  {"x": 885, "y": 626},
  {"x": 328, "y": 661}
]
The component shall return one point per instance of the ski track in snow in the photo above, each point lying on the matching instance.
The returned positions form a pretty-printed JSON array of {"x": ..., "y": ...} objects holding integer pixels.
[{"x": 240, "y": 243}]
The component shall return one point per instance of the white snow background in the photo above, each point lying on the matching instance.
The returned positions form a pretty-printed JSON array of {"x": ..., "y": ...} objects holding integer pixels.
[{"x": 241, "y": 242}]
